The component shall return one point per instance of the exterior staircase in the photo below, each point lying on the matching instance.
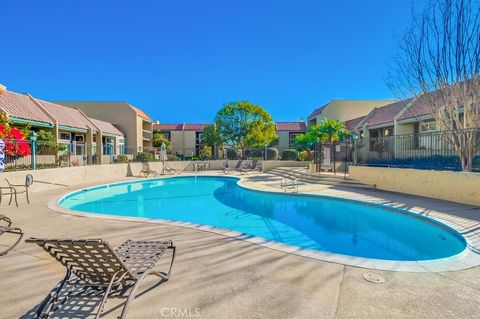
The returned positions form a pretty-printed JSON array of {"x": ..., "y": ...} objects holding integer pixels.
[{"x": 304, "y": 176}]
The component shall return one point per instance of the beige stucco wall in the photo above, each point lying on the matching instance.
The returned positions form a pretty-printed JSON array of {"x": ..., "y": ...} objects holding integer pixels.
[
  {"x": 268, "y": 165},
  {"x": 453, "y": 186},
  {"x": 189, "y": 143},
  {"x": 176, "y": 138},
  {"x": 139, "y": 133},
  {"x": 345, "y": 110},
  {"x": 183, "y": 142},
  {"x": 282, "y": 140}
]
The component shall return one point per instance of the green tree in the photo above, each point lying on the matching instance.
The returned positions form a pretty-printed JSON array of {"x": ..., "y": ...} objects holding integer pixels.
[
  {"x": 47, "y": 143},
  {"x": 245, "y": 125},
  {"x": 211, "y": 136},
  {"x": 159, "y": 138}
]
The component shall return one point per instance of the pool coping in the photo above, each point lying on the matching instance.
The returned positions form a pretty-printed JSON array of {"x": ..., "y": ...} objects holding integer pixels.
[{"x": 468, "y": 258}]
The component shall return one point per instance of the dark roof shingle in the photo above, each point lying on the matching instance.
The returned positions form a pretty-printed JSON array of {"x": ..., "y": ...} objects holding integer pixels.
[
  {"x": 351, "y": 124},
  {"x": 385, "y": 114},
  {"x": 291, "y": 126}
]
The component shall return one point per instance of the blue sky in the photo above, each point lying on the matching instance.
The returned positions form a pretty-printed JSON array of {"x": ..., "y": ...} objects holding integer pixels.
[{"x": 181, "y": 60}]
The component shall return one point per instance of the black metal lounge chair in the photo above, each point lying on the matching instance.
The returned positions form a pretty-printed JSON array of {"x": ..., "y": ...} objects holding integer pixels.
[
  {"x": 145, "y": 171},
  {"x": 237, "y": 167},
  {"x": 250, "y": 167},
  {"x": 15, "y": 190},
  {"x": 167, "y": 169},
  {"x": 10, "y": 230},
  {"x": 94, "y": 264}
]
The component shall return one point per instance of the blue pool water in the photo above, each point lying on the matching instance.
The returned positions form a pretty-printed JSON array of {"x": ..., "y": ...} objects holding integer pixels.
[{"x": 317, "y": 223}]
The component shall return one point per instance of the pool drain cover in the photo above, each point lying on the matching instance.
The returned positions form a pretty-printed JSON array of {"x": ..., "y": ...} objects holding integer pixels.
[{"x": 376, "y": 279}]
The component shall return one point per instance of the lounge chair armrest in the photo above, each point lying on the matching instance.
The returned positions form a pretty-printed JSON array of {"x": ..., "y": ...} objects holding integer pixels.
[
  {"x": 6, "y": 219},
  {"x": 14, "y": 185}
]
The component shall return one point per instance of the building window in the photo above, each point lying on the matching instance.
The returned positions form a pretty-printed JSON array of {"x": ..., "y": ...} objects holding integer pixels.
[
  {"x": 108, "y": 146},
  {"x": 79, "y": 149},
  {"x": 428, "y": 126},
  {"x": 66, "y": 137},
  {"x": 291, "y": 138},
  {"x": 198, "y": 143},
  {"x": 79, "y": 138},
  {"x": 121, "y": 146},
  {"x": 379, "y": 139}
]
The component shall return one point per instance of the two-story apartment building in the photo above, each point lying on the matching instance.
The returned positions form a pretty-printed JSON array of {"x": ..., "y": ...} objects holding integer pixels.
[
  {"x": 287, "y": 132},
  {"x": 83, "y": 135},
  {"x": 187, "y": 139},
  {"x": 135, "y": 124}
]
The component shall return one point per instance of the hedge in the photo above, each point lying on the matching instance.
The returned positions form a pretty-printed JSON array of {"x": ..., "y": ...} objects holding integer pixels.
[{"x": 289, "y": 155}]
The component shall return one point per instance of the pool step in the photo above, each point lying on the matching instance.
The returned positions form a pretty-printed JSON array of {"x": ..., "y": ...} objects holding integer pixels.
[{"x": 312, "y": 178}]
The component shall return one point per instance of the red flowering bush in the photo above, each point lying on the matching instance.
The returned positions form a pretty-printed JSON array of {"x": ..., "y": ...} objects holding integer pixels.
[{"x": 15, "y": 142}]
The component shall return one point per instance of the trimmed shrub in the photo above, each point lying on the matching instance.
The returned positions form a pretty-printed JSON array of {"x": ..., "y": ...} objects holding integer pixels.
[
  {"x": 122, "y": 159},
  {"x": 256, "y": 153},
  {"x": 272, "y": 153},
  {"x": 304, "y": 156},
  {"x": 232, "y": 154},
  {"x": 145, "y": 157},
  {"x": 289, "y": 155}
]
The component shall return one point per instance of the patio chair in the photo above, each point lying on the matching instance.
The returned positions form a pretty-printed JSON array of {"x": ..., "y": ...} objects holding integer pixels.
[
  {"x": 251, "y": 167},
  {"x": 15, "y": 190},
  {"x": 10, "y": 230},
  {"x": 145, "y": 171},
  {"x": 167, "y": 169},
  {"x": 94, "y": 268},
  {"x": 237, "y": 167}
]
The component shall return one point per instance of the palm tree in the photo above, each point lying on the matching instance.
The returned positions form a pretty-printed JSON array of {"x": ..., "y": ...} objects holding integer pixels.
[
  {"x": 330, "y": 130},
  {"x": 304, "y": 142}
]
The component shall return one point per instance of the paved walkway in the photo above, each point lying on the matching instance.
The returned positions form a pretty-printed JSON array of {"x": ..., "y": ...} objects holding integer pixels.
[{"x": 218, "y": 277}]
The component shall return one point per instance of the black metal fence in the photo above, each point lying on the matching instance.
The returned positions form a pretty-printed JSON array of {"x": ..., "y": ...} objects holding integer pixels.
[{"x": 431, "y": 150}]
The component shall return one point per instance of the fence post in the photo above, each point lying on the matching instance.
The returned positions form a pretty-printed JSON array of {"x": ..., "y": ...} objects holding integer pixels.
[{"x": 33, "y": 142}]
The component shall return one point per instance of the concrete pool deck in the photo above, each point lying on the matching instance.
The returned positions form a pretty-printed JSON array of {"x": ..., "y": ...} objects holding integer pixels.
[{"x": 215, "y": 276}]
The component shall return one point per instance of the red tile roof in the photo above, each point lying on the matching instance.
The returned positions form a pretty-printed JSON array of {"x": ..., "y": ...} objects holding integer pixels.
[
  {"x": 106, "y": 127},
  {"x": 291, "y": 126},
  {"x": 351, "y": 124},
  {"x": 385, "y": 114},
  {"x": 179, "y": 127},
  {"x": 194, "y": 127},
  {"x": 167, "y": 127},
  {"x": 21, "y": 106},
  {"x": 419, "y": 107},
  {"x": 67, "y": 116},
  {"x": 141, "y": 113}
]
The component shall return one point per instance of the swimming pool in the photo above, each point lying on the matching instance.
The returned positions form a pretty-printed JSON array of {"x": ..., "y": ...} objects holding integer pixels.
[{"x": 308, "y": 222}]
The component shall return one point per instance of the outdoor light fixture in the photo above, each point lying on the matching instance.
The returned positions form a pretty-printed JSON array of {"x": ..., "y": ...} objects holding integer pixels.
[{"x": 33, "y": 136}]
